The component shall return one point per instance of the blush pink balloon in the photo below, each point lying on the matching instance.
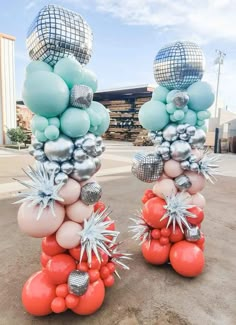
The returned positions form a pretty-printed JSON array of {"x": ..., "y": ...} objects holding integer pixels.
[
  {"x": 70, "y": 192},
  {"x": 199, "y": 200},
  {"x": 163, "y": 176},
  {"x": 79, "y": 211},
  {"x": 198, "y": 153},
  {"x": 46, "y": 225},
  {"x": 172, "y": 168},
  {"x": 67, "y": 235},
  {"x": 197, "y": 180},
  {"x": 165, "y": 187}
]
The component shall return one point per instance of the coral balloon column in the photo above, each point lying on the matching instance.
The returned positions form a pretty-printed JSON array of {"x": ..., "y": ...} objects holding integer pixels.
[
  {"x": 80, "y": 252},
  {"x": 169, "y": 223}
]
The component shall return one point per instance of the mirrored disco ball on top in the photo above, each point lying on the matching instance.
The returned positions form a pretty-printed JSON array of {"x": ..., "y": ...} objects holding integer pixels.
[
  {"x": 178, "y": 65},
  {"x": 57, "y": 33}
]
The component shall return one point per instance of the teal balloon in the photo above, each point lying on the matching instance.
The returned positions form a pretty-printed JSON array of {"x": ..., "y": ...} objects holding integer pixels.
[
  {"x": 170, "y": 108},
  {"x": 75, "y": 122},
  {"x": 38, "y": 66},
  {"x": 200, "y": 123},
  {"x": 172, "y": 118},
  {"x": 203, "y": 115},
  {"x": 40, "y": 136},
  {"x": 54, "y": 121},
  {"x": 201, "y": 96},
  {"x": 45, "y": 93},
  {"x": 171, "y": 95},
  {"x": 190, "y": 117},
  {"x": 70, "y": 70},
  {"x": 99, "y": 118},
  {"x": 160, "y": 94},
  {"x": 51, "y": 132},
  {"x": 178, "y": 115},
  {"x": 90, "y": 79},
  {"x": 185, "y": 109},
  {"x": 39, "y": 123},
  {"x": 153, "y": 115}
]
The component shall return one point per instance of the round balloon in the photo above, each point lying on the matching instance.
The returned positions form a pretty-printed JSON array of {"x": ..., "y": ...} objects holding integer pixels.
[
  {"x": 99, "y": 118},
  {"x": 172, "y": 168},
  {"x": 160, "y": 94},
  {"x": 154, "y": 252},
  {"x": 75, "y": 122},
  {"x": 54, "y": 121},
  {"x": 38, "y": 66},
  {"x": 89, "y": 79},
  {"x": 164, "y": 188},
  {"x": 70, "y": 192},
  {"x": 79, "y": 211},
  {"x": 39, "y": 123},
  {"x": 70, "y": 70},
  {"x": 197, "y": 180},
  {"x": 198, "y": 200},
  {"x": 59, "y": 268},
  {"x": 51, "y": 132},
  {"x": 190, "y": 117},
  {"x": 68, "y": 234},
  {"x": 201, "y": 96},
  {"x": 40, "y": 136},
  {"x": 153, "y": 115}
]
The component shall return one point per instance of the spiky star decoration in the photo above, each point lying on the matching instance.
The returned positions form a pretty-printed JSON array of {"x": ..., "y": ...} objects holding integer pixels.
[
  {"x": 208, "y": 166},
  {"x": 141, "y": 229},
  {"x": 118, "y": 257},
  {"x": 177, "y": 210},
  {"x": 94, "y": 235},
  {"x": 42, "y": 190}
]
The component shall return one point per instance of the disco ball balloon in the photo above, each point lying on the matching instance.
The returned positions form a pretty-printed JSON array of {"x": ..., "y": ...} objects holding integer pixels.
[
  {"x": 178, "y": 65},
  {"x": 57, "y": 33}
]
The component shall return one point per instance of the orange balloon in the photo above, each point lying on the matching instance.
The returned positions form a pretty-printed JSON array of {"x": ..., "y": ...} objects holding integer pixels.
[
  {"x": 198, "y": 212},
  {"x": 187, "y": 258},
  {"x": 62, "y": 290},
  {"x": 104, "y": 272},
  {"x": 59, "y": 267},
  {"x": 83, "y": 266},
  {"x": 153, "y": 211},
  {"x": 94, "y": 275},
  {"x": 109, "y": 281},
  {"x": 44, "y": 259},
  {"x": 176, "y": 235},
  {"x": 111, "y": 267},
  {"x": 92, "y": 300},
  {"x": 76, "y": 251},
  {"x": 38, "y": 294},
  {"x": 71, "y": 301},
  {"x": 99, "y": 206},
  {"x": 58, "y": 305},
  {"x": 154, "y": 252},
  {"x": 51, "y": 247}
]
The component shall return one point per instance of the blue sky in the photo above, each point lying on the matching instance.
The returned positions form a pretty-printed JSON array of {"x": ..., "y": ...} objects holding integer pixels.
[{"x": 128, "y": 34}]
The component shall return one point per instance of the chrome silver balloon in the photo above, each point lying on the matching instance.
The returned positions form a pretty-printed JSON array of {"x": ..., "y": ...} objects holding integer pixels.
[
  {"x": 39, "y": 155},
  {"x": 90, "y": 193},
  {"x": 191, "y": 130},
  {"x": 99, "y": 141},
  {"x": 52, "y": 166},
  {"x": 78, "y": 282},
  {"x": 89, "y": 146},
  {"x": 198, "y": 140},
  {"x": 103, "y": 147},
  {"x": 165, "y": 144},
  {"x": 90, "y": 136},
  {"x": 194, "y": 167},
  {"x": 79, "y": 155},
  {"x": 78, "y": 142},
  {"x": 178, "y": 65},
  {"x": 180, "y": 99},
  {"x": 182, "y": 182},
  {"x": 181, "y": 128},
  {"x": 185, "y": 165},
  {"x": 184, "y": 136},
  {"x": 31, "y": 150},
  {"x": 166, "y": 157},
  {"x": 81, "y": 96},
  {"x": 67, "y": 167},
  {"x": 180, "y": 150},
  {"x": 37, "y": 144},
  {"x": 192, "y": 159},
  {"x": 83, "y": 170},
  {"x": 164, "y": 150},
  {"x": 61, "y": 178},
  {"x": 170, "y": 133},
  {"x": 98, "y": 163},
  {"x": 59, "y": 150},
  {"x": 98, "y": 151},
  {"x": 192, "y": 234}
]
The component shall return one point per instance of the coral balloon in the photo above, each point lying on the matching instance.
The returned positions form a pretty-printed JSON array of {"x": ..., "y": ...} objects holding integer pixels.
[
  {"x": 70, "y": 192},
  {"x": 68, "y": 234},
  {"x": 62, "y": 290},
  {"x": 154, "y": 252},
  {"x": 79, "y": 211},
  {"x": 198, "y": 212},
  {"x": 164, "y": 188},
  {"x": 46, "y": 225},
  {"x": 76, "y": 251},
  {"x": 199, "y": 200},
  {"x": 172, "y": 168},
  {"x": 58, "y": 305},
  {"x": 71, "y": 301},
  {"x": 38, "y": 294},
  {"x": 197, "y": 180},
  {"x": 153, "y": 211},
  {"x": 92, "y": 300},
  {"x": 50, "y": 246},
  {"x": 44, "y": 258},
  {"x": 109, "y": 281},
  {"x": 59, "y": 267},
  {"x": 99, "y": 206},
  {"x": 176, "y": 235},
  {"x": 187, "y": 259}
]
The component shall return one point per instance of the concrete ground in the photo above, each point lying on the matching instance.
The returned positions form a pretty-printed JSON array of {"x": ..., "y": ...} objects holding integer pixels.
[{"x": 146, "y": 294}]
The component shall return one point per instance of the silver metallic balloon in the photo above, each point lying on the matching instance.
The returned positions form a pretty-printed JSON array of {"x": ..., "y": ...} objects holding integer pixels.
[
  {"x": 184, "y": 136},
  {"x": 170, "y": 133},
  {"x": 52, "y": 166},
  {"x": 67, "y": 167},
  {"x": 59, "y": 150},
  {"x": 198, "y": 140},
  {"x": 103, "y": 147},
  {"x": 61, "y": 178},
  {"x": 37, "y": 144},
  {"x": 182, "y": 182},
  {"x": 166, "y": 157},
  {"x": 89, "y": 146},
  {"x": 193, "y": 234},
  {"x": 180, "y": 150},
  {"x": 40, "y": 155},
  {"x": 185, "y": 165},
  {"x": 81, "y": 96},
  {"x": 57, "y": 33},
  {"x": 178, "y": 65},
  {"x": 84, "y": 170},
  {"x": 78, "y": 142},
  {"x": 181, "y": 128},
  {"x": 147, "y": 167},
  {"x": 31, "y": 150},
  {"x": 191, "y": 130},
  {"x": 98, "y": 163},
  {"x": 78, "y": 282},
  {"x": 164, "y": 150},
  {"x": 90, "y": 136},
  {"x": 90, "y": 193},
  {"x": 165, "y": 144},
  {"x": 194, "y": 167},
  {"x": 99, "y": 141},
  {"x": 79, "y": 155},
  {"x": 180, "y": 99},
  {"x": 99, "y": 151},
  {"x": 192, "y": 159}
]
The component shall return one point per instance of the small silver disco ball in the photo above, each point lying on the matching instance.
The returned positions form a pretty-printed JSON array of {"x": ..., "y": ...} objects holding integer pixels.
[
  {"x": 178, "y": 65},
  {"x": 56, "y": 33}
]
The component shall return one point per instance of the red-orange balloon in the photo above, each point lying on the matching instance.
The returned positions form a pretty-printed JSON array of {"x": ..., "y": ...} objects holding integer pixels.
[
  {"x": 176, "y": 235},
  {"x": 76, "y": 251},
  {"x": 62, "y": 290},
  {"x": 71, "y": 301},
  {"x": 153, "y": 211},
  {"x": 59, "y": 267},
  {"x": 44, "y": 258},
  {"x": 99, "y": 206},
  {"x": 83, "y": 266},
  {"x": 156, "y": 233},
  {"x": 104, "y": 272},
  {"x": 95, "y": 264},
  {"x": 187, "y": 258},
  {"x": 154, "y": 252},
  {"x": 94, "y": 275},
  {"x": 51, "y": 247},
  {"x": 198, "y": 212},
  {"x": 92, "y": 300},
  {"x": 38, "y": 294},
  {"x": 109, "y": 281},
  {"x": 111, "y": 267},
  {"x": 58, "y": 305}
]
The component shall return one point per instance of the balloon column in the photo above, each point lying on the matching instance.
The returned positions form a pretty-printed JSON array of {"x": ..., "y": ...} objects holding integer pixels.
[
  {"x": 80, "y": 253},
  {"x": 168, "y": 226}
]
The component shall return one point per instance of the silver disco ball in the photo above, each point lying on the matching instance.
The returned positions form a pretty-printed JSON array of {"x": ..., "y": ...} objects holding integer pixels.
[
  {"x": 57, "y": 33},
  {"x": 178, "y": 65}
]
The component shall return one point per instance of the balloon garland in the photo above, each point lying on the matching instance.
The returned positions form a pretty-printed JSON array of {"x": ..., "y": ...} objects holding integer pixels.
[
  {"x": 169, "y": 224},
  {"x": 80, "y": 252}
]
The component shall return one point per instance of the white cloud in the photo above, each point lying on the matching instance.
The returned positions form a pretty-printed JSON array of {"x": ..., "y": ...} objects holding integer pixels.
[{"x": 30, "y": 5}]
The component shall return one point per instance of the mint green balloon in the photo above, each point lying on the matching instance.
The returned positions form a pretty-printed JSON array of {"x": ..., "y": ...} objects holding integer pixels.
[
  {"x": 160, "y": 94},
  {"x": 90, "y": 79},
  {"x": 39, "y": 123},
  {"x": 178, "y": 115},
  {"x": 51, "y": 132},
  {"x": 190, "y": 117},
  {"x": 75, "y": 122},
  {"x": 54, "y": 121},
  {"x": 200, "y": 123},
  {"x": 70, "y": 70},
  {"x": 99, "y": 118},
  {"x": 38, "y": 66},
  {"x": 170, "y": 108},
  {"x": 45, "y": 93},
  {"x": 203, "y": 115},
  {"x": 40, "y": 136},
  {"x": 153, "y": 115},
  {"x": 185, "y": 109},
  {"x": 172, "y": 118},
  {"x": 171, "y": 95},
  {"x": 201, "y": 96}
]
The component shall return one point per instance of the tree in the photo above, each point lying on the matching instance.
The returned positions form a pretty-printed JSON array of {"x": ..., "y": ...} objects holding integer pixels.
[{"x": 17, "y": 135}]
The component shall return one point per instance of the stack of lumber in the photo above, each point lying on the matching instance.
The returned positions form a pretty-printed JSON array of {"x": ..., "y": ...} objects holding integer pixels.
[{"x": 143, "y": 139}]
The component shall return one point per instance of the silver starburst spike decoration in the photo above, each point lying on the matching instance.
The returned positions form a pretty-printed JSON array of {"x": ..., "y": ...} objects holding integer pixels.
[
  {"x": 94, "y": 235},
  {"x": 208, "y": 166},
  {"x": 118, "y": 257},
  {"x": 42, "y": 190},
  {"x": 141, "y": 230},
  {"x": 177, "y": 210}
]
